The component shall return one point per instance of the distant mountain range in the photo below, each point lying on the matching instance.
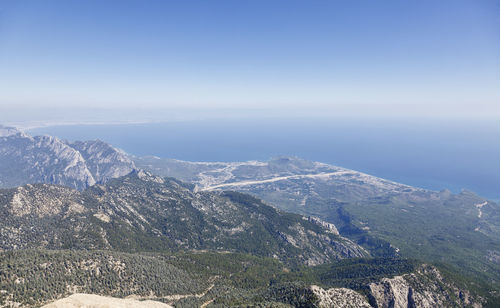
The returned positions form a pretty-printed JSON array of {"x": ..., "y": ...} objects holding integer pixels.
[
  {"x": 45, "y": 159},
  {"x": 89, "y": 196}
]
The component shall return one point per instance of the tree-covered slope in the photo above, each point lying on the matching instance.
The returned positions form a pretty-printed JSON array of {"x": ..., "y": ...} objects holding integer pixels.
[
  {"x": 387, "y": 218},
  {"x": 31, "y": 278},
  {"x": 142, "y": 212}
]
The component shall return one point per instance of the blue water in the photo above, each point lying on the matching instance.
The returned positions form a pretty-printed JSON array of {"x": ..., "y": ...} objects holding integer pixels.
[{"x": 433, "y": 154}]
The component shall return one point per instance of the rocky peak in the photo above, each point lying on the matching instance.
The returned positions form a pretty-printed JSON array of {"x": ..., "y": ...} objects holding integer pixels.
[
  {"x": 100, "y": 150},
  {"x": 60, "y": 149},
  {"x": 148, "y": 176},
  {"x": 47, "y": 159},
  {"x": 104, "y": 161}
]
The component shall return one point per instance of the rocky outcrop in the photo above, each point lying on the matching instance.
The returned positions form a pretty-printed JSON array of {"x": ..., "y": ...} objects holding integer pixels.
[
  {"x": 328, "y": 226},
  {"x": 339, "y": 298},
  {"x": 104, "y": 161},
  {"x": 424, "y": 288},
  {"x": 96, "y": 301},
  {"x": 45, "y": 159}
]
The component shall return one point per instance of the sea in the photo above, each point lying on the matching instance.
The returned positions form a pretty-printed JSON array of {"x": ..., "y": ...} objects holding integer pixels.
[{"x": 435, "y": 154}]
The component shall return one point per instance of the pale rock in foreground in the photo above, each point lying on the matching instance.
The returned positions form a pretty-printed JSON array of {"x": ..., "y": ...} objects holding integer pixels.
[
  {"x": 96, "y": 301},
  {"x": 339, "y": 298}
]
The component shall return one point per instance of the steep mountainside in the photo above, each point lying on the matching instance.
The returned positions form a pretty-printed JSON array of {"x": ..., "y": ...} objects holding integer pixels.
[
  {"x": 178, "y": 223},
  {"x": 44, "y": 159},
  {"x": 31, "y": 278},
  {"x": 103, "y": 161},
  {"x": 144, "y": 212},
  {"x": 425, "y": 287},
  {"x": 387, "y": 218}
]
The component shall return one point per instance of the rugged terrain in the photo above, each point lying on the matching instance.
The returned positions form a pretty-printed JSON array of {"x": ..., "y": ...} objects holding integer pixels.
[
  {"x": 45, "y": 159},
  {"x": 385, "y": 217},
  {"x": 101, "y": 225},
  {"x": 207, "y": 279},
  {"x": 142, "y": 212}
]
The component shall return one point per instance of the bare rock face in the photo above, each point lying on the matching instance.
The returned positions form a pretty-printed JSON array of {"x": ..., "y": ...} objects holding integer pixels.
[
  {"x": 149, "y": 177},
  {"x": 339, "y": 298},
  {"x": 391, "y": 292},
  {"x": 44, "y": 159},
  {"x": 425, "y": 288},
  {"x": 104, "y": 161},
  {"x": 96, "y": 301},
  {"x": 329, "y": 226}
]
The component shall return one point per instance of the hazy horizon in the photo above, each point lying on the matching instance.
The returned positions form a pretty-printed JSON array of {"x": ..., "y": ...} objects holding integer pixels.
[
  {"x": 426, "y": 58},
  {"x": 435, "y": 154},
  {"x": 428, "y": 68},
  {"x": 143, "y": 165}
]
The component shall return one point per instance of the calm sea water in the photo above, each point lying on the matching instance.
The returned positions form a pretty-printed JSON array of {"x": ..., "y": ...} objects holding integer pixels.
[{"x": 434, "y": 154}]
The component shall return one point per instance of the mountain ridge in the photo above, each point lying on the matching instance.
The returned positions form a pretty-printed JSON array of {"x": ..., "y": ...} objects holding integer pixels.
[
  {"x": 141, "y": 211},
  {"x": 46, "y": 159},
  {"x": 114, "y": 204},
  {"x": 386, "y": 218}
]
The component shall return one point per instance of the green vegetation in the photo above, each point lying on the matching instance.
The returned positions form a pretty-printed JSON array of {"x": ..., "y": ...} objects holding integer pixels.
[
  {"x": 154, "y": 238},
  {"x": 140, "y": 213},
  {"x": 34, "y": 277},
  {"x": 357, "y": 273},
  {"x": 447, "y": 236}
]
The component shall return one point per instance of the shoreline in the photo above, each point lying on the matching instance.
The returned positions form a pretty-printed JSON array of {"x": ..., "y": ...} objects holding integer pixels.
[{"x": 35, "y": 125}]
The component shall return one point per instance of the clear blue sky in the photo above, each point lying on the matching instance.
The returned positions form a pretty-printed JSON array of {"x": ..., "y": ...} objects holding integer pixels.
[{"x": 408, "y": 57}]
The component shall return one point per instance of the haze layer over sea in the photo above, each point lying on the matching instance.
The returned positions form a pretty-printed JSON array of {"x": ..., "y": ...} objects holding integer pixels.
[{"x": 435, "y": 154}]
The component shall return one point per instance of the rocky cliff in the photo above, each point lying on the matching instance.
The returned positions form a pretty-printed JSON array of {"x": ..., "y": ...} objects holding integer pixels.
[
  {"x": 45, "y": 159},
  {"x": 424, "y": 288}
]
